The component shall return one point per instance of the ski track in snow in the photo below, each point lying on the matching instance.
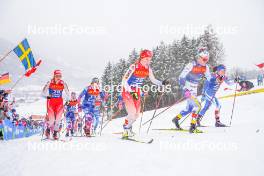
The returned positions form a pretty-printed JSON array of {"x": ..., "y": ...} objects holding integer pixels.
[{"x": 237, "y": 150}]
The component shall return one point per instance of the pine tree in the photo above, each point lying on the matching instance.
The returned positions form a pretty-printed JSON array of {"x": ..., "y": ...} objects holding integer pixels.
[
  {"x": 133, "y": 56},
  {"x": 210, "y": 40},
  {"x": 106, "y": 80}
]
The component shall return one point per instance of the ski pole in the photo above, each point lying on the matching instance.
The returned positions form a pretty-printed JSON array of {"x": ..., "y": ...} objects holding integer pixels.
[
  {"x": 234, "y": 101},
  {"x": 143, "y": 107},
  {"x": 164, "y": 110},
  {"x": 12, "y": 88},
  {"x": 157, "y": 106},
  {"x": 82, "y": 119},
  {"x": 113, "y": 117},
  {"x": 45, "y": 120},
  {"x": 185, "y": 118},
  {"x": 106, "y": 123},
  {"x": 102, "y": 121},
  {"x": 1, "y": 59}
]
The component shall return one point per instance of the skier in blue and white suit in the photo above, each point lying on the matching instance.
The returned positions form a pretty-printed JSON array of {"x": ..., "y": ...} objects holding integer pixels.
[
  {"x": 209, "y": 91},
  {"x": 92, "y": 99},
  {"x": 71, "y": 108},
  {"x": 189, "y": 79}
]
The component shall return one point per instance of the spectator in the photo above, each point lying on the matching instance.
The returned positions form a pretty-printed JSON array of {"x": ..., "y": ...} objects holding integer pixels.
[
  {"x": 246, "y": 85},
  {"x": 8, "y": 111},
  {"x": 4, "y": 103},
  {"x": 260, "y": 79}
]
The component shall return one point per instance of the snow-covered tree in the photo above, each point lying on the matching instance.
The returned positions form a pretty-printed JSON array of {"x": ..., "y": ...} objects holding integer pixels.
[
  {"x": 210, "y": 40},
  {"x": 133, "y": 56},
  {"x": 106, "y": 79}
]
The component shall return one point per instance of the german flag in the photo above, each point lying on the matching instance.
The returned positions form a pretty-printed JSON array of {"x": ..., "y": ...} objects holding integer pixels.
[{"x": 4, "y": 79}]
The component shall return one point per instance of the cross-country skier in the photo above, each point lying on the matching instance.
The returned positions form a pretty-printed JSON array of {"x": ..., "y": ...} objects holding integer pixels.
[
  {"x": 71, "y": 114},
  {"x": 131, "y": 93},
  {"x": 53, "y": 92},
  {"x": 92, "y": 98},
  {"x": 209, "y": 91},
  {"x": 189, "y": 79}
]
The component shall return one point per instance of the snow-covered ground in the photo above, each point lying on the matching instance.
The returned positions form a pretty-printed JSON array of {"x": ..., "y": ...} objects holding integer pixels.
[{"x": 237, "y": 150}]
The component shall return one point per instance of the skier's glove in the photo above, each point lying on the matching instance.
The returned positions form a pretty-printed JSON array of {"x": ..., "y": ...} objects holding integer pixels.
[
  {"x": 134, "y": 95},
  {"x": 48, "y": 97},
  {"x": 236, "y": 80},
  {"x": 165, "y": 82}
]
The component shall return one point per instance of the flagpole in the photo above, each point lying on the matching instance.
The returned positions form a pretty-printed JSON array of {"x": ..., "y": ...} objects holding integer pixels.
[
  {"x": 17, "y": 82},
  {"x": 5, "y": 56}
]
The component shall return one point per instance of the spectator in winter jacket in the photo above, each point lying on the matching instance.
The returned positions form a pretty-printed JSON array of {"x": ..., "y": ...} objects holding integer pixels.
[{"x": 260, "y": 79}]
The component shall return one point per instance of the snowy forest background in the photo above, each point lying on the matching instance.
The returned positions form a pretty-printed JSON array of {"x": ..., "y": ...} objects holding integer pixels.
[{"x": 168, "y": 62}]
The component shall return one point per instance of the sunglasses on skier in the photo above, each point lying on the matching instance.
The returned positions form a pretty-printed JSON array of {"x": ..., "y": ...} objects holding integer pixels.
[
  {"x": 57, "y": 76},
  {"x": 205, "y": 59}
]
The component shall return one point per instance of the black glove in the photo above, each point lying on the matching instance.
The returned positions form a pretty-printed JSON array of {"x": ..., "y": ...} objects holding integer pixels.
[
  {"x": 165, "y": 82},
  {"x": 48, "y": 97},
  {"x": 220, "y": 78},
  {"x": 134, "y": 95}
]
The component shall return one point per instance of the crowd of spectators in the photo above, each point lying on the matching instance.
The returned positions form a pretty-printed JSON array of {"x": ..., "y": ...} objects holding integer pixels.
[{"x": 8, "y": 112}]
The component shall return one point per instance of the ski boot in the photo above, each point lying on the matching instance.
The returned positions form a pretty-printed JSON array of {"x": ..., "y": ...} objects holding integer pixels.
[
  {"x": 67, "y": 134},
  {"x": 93, "y": 133},
  {"x": 55, "y": 135},
  {"x": 60, "y": 127},
  {"x": 80, "y": 128},
  {"x": 72, "y": 132},
  {"x": 47, "y": 133},
  {"x": 193, "y": 128},
  {"x": 217, "y": 119},
  {"x": 87, "y": 132},
  {"x": 127, "y": 132},
  {"x": 198, "y": 123},
  {"x": 175, "y": 120},
  {"x": 131, "y": 133},
  {"x": 219, "y": 124}
]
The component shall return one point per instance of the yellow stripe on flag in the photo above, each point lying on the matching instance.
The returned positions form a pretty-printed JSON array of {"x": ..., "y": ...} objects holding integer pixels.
[
  {"x": 25, "y": 54},
  {"x": 5, "y": 81}
]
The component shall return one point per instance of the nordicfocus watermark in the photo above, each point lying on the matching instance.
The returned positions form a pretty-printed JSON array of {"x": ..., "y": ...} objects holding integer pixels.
[
  {"x": 66, "y": 146},
  {"x": 194, "y": 30},
  {"x": 144, "y": 88},
  {"x": 191, "y": 145},
  {"x": 59, "y": 29}
]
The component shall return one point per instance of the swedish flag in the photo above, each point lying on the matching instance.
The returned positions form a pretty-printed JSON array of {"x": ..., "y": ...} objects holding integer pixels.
[{"x": 23, "y": 51}]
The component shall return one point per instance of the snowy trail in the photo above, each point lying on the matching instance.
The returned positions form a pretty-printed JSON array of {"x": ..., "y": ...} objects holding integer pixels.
[{"x": 219, "y": 151}]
